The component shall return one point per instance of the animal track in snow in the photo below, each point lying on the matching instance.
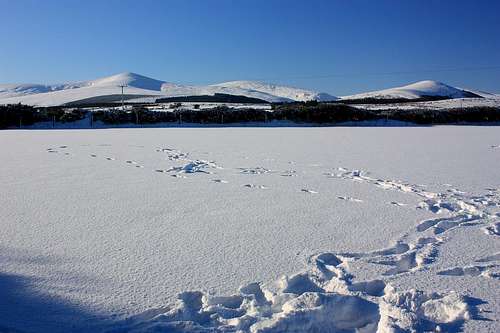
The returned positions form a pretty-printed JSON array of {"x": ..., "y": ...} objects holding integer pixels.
[
  {"x": 349, "y": 199},
  {"x": 326, "y": 297},
  {"x": 173, "y": 154},
  {"x": 196, "y": 166},
  {"x": 220, "y": 181},
  {"x": 289, "y": 173},
  {"x": 398, "y": 248},
  {"x": 441, "y": 225},
  {"x": 485, "y": 271},
  {"x": 398, "y": 204},
  {"x": 309, "y": 191},
  {"x": 254, "y": 171},
  {"x": 493, "y": 229},
  {"x": 493, "y": 257},
  {"x": 261, "y": 187}
]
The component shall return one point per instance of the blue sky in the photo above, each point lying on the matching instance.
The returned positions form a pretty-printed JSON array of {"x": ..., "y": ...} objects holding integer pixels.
[{"x": 339, "y": 47}]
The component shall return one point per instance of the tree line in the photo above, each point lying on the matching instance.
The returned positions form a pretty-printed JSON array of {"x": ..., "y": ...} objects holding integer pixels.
[{"x": 18, "y": 115}]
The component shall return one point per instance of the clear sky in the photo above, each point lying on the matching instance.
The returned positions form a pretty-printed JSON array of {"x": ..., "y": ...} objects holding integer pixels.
[{"x": 339, "y": 47}]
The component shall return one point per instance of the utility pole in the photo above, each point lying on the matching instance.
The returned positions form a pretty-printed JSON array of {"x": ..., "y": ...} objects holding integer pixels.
[{"x": 123, "y": 104}]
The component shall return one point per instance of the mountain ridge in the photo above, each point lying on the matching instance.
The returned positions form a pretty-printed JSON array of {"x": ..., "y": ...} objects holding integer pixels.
[
  {"x": 137, "y": 84},
  {"x": 141, "y": 86},
  {"x": 415, "y": 90}
]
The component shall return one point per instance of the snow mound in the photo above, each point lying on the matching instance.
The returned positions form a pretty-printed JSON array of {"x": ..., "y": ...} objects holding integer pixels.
[
  {"x": 415, "y": 90},
  {"x": 128, "y": 79},
  {"x": 321, "y": 299}
]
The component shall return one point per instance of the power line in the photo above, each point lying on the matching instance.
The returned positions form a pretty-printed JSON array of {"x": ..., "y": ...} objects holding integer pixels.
[
  {"x": 123, "y": 85},
  {"x": 344, "y": 75},
  {"x": 463, "y": 69}
]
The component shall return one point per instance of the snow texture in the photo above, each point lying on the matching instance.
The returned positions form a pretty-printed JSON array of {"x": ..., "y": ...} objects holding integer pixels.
[{"x": 250, "y": 230}]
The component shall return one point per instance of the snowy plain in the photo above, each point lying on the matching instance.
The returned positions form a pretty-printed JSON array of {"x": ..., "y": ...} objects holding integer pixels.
[{"x": 328, "y": 229}]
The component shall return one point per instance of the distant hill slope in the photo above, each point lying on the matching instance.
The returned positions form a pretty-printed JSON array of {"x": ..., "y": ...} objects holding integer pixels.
[
  {"x": 108, "y": 89},
  {"x": 416, "y": 90},
  {"x": 136, "y": 84},
  {"x": 294, "y": 94}
]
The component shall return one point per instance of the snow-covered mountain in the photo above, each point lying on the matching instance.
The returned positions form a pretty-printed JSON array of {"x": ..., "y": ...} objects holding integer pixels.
[
  {"x": 142, "y": 86},
  {"x": 416, "y": 90},
  {"x": 282, "y": 91}
]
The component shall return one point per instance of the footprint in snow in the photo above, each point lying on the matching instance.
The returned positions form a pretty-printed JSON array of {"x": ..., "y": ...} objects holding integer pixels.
[
  {"x": 305, "y": 190},
  {"x": 485, "y": 271},
  {"x": 349, "y": 199},
  {"x": 493, "y": 229},
  {"x": 93, "y": 155},
  {"x": 220, "y": 181},
  {"x": 261, "y": 187},
  {"x": 110, "y": 158},
  {"x": 178, "y": 176},
  {"x": 399, "y": 204},
  {"x": 493, "y": 257},
  {"x": 254, "y": 171},
  {"x": 289, "y": 173}
]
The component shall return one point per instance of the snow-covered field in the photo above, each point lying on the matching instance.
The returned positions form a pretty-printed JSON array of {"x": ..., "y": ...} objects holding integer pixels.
[
  {"x": 457, "y": 103},
  {"x": 324, "y": 229}
]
